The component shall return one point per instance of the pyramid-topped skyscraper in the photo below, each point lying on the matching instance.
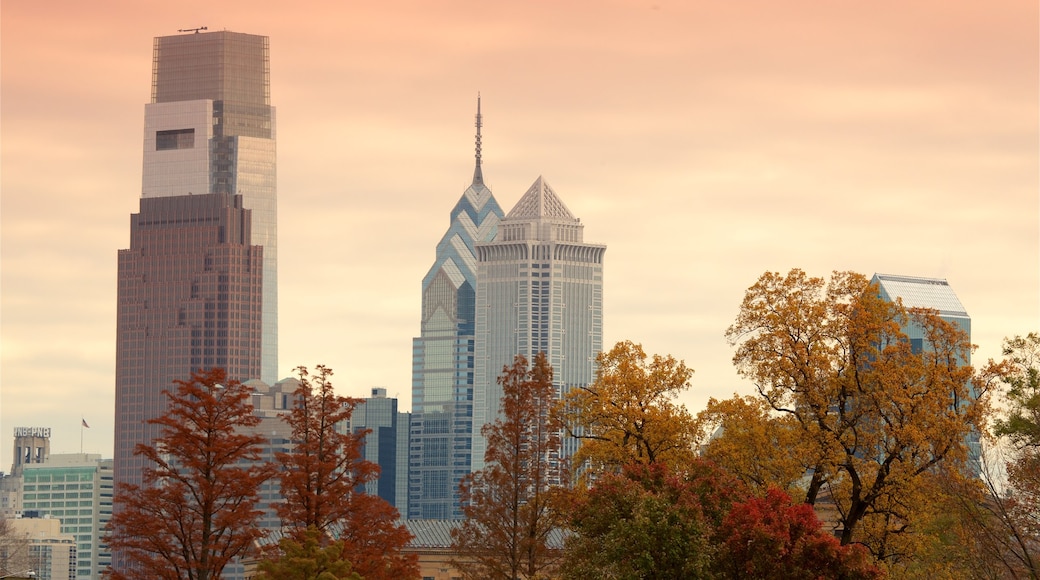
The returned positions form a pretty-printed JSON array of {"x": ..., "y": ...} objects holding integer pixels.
[
  {"x": 539, "y": 289},
  {"x": 442, "y": 356}
]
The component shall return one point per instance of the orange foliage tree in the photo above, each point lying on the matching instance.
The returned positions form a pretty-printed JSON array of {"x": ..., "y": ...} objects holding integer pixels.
[
  {"x": 629, "y": 413},
  {"x": 322, "y": 480},
  {"x": 509, "y": 518},
  {"x": 875, "y": 415},
  {"x": 197, "y": 508},
  {"x": 735, "y": 433}
]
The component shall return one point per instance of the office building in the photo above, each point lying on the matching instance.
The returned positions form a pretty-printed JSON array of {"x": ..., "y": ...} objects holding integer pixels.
[
  {"x": 197, "y": 287},
  {"x": 442, "y": 356},
  {"x": 189, "y": 297},
  {"x": 36, "y": 548},
  {"x": 210, "y": 128},
  {"x": 539, "y": 289},
  {"x": 378, "y": 415},
  {"x": 934, "y": 294},
  {"x": 76, "y": 490}
]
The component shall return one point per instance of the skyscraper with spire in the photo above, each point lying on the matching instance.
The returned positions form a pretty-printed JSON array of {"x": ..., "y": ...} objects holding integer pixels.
[
  {"x": 442, "y": 356},
  {"x": 197, "y": 287},
  {"x": 539, "y": 289}
]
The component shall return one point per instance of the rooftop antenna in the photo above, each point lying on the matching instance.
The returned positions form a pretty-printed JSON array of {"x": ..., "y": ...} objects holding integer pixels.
[
  {"x": 195, "y": 30},
  {"x": 478, "y": 176}
]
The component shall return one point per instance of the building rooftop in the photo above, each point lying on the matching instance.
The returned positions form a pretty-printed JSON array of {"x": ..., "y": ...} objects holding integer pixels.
[{"x": 917, "y": 292}]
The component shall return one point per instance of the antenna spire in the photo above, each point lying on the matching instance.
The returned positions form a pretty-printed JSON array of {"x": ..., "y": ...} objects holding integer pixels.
[{"x": 478, "y": 176}]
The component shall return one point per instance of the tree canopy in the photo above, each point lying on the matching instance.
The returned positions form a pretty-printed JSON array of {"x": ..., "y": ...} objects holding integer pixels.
[
  {"x": 322, "y": 479},
  {"x": 629, "y": 413},
  {"x": 198, "y": 507},
  {"x": 874, "y": 410}
]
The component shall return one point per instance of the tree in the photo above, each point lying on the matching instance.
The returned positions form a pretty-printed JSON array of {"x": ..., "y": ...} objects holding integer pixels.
[
  {"x": 629, "y": 414},
  {"x": 15, "y": 556},
  {"x": 308, "y": 559},
  {"x": 322, "y": 480},
  {"x": 509, "y": 521},
  {"x": 769, "y": 537},
  {"x": 876, "y": 414},
  {"x": 649, "y": 521},
  {"x": 735, "y": 431},
  {"x": 1020, "y": 374},
  {"x": 1006, "y": 524},
  {"x": 197, "y": 508}
]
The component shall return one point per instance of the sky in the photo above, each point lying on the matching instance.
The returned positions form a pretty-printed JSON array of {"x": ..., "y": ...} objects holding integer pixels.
[{"x": 704, "y": 143}]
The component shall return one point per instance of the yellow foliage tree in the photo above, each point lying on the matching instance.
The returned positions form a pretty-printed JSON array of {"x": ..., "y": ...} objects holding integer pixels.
[
  {"x": 743, "y": 436},
  {"x": 629, "y": 414},
  {"x": 875, "y": 415}
]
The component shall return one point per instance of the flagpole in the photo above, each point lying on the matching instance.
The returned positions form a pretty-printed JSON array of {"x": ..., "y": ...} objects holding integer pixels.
[{"x": 81, "y": 421}]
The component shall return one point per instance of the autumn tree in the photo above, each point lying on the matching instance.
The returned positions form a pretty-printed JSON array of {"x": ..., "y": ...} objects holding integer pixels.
[
  {"x": 1003, "y": 526},
  {"x": 197, "y": 508},
  {"x": 322, "y": 480},
  {"x": 876, "y": 414},
  {"x": 735, "y": 432},
  {"x": 628, "y": 414},
  {"x": 649, "y": 521},
  {"x": 770, "y": 537},
  {"x": 312, "y": 557},
  {"x": 509, "y": 520}
]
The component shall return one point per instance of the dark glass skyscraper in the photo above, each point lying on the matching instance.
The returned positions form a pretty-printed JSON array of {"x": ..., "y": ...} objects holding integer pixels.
[
  {"x": 189, "y": 297},
  {"x": 442, "y": 356},
  {"x": 198, "y": 284},
  {"x": 210, "y": 128}
]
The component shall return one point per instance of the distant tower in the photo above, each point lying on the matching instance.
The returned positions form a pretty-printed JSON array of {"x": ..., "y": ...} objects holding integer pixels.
[
  {"x": 32, "y": 445},
  {"x": 197, "y": 287},
  {"x": 935, "y": 294},
  {"x": 540, "y": 289},
  {"x": 210, "y": 128},
  {"x": 442, "y": 356}
]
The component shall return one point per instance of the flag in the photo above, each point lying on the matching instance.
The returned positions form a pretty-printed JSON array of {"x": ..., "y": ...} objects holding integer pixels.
[{"x": 85, "y": 423}]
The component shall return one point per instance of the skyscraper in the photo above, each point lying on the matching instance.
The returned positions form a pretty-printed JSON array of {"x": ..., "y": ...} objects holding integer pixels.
[
  {"x": 198, "y": 286},
  {"x": 189, "y": 297},
  {"x": 539, "y": 289},
  {"x": 933, "y": 294},
  {"x": 442, "y": 356},
  {"x": 210, "y": 128}
]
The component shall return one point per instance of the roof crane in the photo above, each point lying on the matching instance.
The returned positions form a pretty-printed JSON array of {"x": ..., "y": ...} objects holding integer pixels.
[{"x": 195, "y": 30}]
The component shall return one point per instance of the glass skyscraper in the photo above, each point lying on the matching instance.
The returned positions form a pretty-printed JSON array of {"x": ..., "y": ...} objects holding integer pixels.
[
  {"x": 197, "y": 287},
  {"x": 442, "y": 356},
  {"x": 539, "y": 289},
  {"x": 210, "y": 128},
  {"x": 933, "y": 294}
]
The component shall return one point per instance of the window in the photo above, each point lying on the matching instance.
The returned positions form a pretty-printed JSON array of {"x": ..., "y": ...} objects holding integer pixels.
[{"x": 175, "y": 139}]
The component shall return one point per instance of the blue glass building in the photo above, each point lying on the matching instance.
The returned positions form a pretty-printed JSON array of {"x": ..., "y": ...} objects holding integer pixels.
[
  {"x": 935, "y": 294},
  {"x": 442, "y": 356}
]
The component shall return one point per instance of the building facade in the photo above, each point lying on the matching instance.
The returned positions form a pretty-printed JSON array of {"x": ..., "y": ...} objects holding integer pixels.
[
  {"x": 210, "y": 128},
  {"x": 539, "y": 289},
  {"x": 197, "y": 287},
  {"x": 442, "y": 356},
  {"x": 378, "y": 415},
  {"x": 934, "y": 294},
  {"x": 37, "y": 548},
  {"x": 189, "y": 297},
  {"x": 75, "y": 489}
]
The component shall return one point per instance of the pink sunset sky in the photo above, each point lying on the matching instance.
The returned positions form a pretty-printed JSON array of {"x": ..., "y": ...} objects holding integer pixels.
[{"x": 703, "y": 142}]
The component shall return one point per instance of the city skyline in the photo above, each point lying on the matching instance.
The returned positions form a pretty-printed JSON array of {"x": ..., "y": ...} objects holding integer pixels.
[{"x": 704, "y": 144}]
